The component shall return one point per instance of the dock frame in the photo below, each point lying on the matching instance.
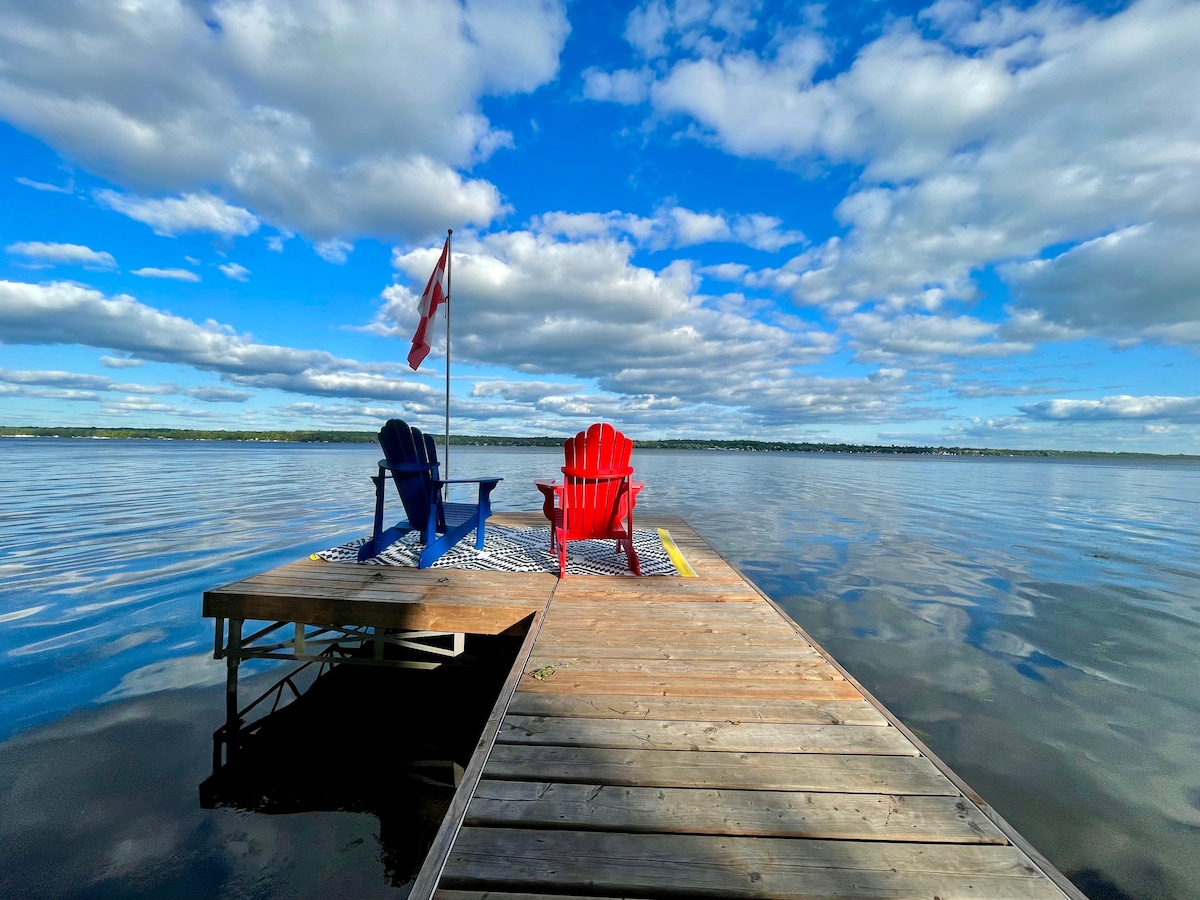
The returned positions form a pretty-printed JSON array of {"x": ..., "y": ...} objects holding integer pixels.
[
  {"x": 314, "y": 612},
  {"x": 656, "y": 737}
]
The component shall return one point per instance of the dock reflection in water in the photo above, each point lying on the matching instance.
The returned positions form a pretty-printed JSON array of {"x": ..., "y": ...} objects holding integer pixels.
[{"x": 384, "y": 741}]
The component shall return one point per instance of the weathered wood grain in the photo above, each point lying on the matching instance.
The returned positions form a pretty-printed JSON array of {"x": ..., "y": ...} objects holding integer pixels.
[
  {"x": 625, "y": 865},
  {"x": 600, "y": 646},
  {"x": 808, "y": 664},
  {"x": 637, "y": 633},
  {"x": 705, "y": 768},
  {"x": 697, "y": 709},
  {"x": 323, "y": 593},
  {"x": 732, "y": 811},
  {"x": 655, "y": 612},
  {"x": 663, "y": 592},
  {"x": 742, "y": 737},
  {"x": 565, "y": 681}
]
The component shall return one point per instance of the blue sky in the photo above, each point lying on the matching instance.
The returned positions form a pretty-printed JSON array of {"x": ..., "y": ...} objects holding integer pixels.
[{"x": 953, "y": 224}]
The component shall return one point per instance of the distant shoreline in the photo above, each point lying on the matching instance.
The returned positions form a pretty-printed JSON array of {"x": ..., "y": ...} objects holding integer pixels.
[{"x": 369, "y": 437}]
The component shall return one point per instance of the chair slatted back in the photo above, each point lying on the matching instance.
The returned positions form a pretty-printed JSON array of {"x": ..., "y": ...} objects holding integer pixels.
[
  {"x": 403, "y": 444},
  {"x": 596, "y": 481}
]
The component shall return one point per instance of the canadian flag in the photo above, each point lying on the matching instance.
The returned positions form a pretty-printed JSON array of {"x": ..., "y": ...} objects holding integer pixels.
[{"x": 435, "y": 294}]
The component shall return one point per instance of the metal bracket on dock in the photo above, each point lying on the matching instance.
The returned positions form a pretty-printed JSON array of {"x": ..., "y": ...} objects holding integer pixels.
[{"x": 311, "y": 643}]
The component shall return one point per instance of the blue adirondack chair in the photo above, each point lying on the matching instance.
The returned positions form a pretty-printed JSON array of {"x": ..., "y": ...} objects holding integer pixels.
[{"x": 410, "y": 460}]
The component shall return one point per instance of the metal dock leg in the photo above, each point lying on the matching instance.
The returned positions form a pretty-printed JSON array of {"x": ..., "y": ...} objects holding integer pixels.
[{"x": 232, "y": 660}]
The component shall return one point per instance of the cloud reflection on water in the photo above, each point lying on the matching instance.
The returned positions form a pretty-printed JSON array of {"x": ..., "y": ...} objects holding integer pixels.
[
  {"x": 1038, "y": 643},
  {"x": 1036, "y": 621},
  {"x": 104, "y": 803}
]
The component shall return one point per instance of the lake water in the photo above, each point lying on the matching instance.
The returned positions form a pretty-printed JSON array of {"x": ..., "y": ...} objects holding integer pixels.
[{"x": 1035, "y": 621}]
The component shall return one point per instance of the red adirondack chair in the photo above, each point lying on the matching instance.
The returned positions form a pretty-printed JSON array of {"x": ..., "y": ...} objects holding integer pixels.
[{"x": 597, "y": 496}]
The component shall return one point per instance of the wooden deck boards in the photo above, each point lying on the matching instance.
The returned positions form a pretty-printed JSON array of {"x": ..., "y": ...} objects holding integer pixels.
[
  {"x": 669, "y": 738},
  {"x": 682, "y": 738},
  {"x": 317, "y": 592},
  {"x": 548, "y": 862}
]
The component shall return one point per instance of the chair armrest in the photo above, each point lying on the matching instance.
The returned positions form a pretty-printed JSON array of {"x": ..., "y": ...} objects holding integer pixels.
[{"x": 486, "y": 486}]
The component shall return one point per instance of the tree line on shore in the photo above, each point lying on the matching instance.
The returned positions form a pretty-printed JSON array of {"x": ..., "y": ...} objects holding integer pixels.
[{"x": 370, "y": 437}]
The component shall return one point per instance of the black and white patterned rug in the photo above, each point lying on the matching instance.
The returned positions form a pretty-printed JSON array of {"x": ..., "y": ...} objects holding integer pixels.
[{"x": 510, "y": 549}]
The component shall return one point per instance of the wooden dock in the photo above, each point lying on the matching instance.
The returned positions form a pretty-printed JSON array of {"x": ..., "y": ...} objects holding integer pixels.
[{"x": 673, "y": 737}]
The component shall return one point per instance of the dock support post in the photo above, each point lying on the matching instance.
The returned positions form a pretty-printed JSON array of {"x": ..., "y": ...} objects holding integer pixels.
[{"x": 232, "y": 659}]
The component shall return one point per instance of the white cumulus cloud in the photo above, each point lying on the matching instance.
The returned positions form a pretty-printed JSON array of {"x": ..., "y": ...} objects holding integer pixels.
[
  {"x": 68, "y": 188},
  {"x": 1140, "y": 280},
  {"x": 673, "y": 227},
  {"x": 173, "y": 274},
  {"x": 981, "y": 135},
  {"x": 332, "y": 118},
  {"x": 334, "y": 251},
  {"x": 583, "y": 310},
  {"x": 1120, "y": 407},
  {"x": 178, "y": 215},
  {"x": 63, "y": 254},
  {"x": 65, "y": 313},
  {"x": 235, "y": 271}
]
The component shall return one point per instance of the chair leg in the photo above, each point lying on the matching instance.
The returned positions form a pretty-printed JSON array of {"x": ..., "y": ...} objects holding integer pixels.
[
  {"x": 631, "y": 554},
  {"x": 372, "y": 547},
  {"x": 631, "y": 557},
  {"x": 562, "y": 558},
  {"x": 484, "y": 510}
]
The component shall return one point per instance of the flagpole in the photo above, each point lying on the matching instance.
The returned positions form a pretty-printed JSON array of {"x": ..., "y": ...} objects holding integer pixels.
[{"x": 449, "y": 257}]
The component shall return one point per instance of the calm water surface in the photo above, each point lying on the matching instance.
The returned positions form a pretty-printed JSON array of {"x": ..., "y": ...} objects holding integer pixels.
[{"x": 1037, "y": 622}]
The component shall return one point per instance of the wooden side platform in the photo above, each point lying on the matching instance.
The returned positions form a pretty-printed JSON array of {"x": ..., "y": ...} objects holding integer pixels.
[
  {"x": 310, "y": 611},
  {"x": 668, "y": 737},
  {"x": 659, "y": 738},
  {"x": 449, "y": 600}
]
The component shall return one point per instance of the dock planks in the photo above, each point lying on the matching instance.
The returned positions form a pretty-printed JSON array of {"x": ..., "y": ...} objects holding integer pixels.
[
  {"x": 683, "y": 738},
  {"x": 559, "y": 861},
  {"x": 317, "y": 592},
  {"x": 668, "y": 738}
]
